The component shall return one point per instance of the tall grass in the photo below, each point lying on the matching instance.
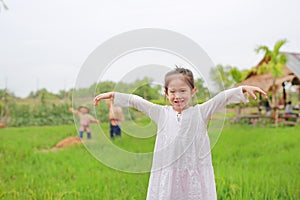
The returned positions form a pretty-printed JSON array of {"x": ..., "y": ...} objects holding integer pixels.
[
  {"x": 258, "y": 163},
  {"x": 249, "y": 163},
  {"x": 28, "y": 172}
]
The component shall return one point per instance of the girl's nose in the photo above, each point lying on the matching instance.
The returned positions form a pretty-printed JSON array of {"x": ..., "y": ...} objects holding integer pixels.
[{"x": 177, "y": 96}]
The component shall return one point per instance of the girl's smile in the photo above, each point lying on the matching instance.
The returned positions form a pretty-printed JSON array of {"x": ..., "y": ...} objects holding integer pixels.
[{"x": 179, "y": 93}]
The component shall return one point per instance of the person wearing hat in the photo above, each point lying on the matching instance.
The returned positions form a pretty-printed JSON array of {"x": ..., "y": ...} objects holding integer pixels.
[{"x": 85, "y": 119}]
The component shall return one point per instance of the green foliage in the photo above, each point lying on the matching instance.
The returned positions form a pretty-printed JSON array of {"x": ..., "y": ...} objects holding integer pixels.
[
  {"x": 43, "y": 95},
  {"x": 102, "y": 112},
  {"x": 202, "y": 93},
  {"x": 65, "y": 94},
  {"x": 105, "y": 86},
  {"x": 237, "y": 75},
  {"x": 2, "y": 94},
  {"x": 3, "y": 110},
  {"x": 45, "y": 108},
  {"x": 226, "y": 77},
  {"x": 275, "y": 61},
  {"x": 144, "y": 89},
  {"x": 6, "y": 95},
  {"x": 221, "y": 76},
  {"x": 276, "y": 70},
  {"x": 39, "y": 114}
]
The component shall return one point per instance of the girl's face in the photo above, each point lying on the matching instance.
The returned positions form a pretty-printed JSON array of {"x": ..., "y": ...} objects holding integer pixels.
[{"x": 179, "y": 93}]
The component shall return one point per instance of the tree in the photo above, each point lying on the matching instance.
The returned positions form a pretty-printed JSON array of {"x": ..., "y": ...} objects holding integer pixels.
[
  {"x": 202, "y": 93},
  {"x": 229, "y": 75},
  {"x": 274, "y": 64},
  {"x": 145, "y": 89},
  {"x": 238, "y": 75},
  {"x": 222, "y": 76},
  {"x": 105, "y": 86}
]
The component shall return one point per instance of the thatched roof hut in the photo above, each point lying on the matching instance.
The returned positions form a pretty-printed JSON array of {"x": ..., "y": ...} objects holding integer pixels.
[{"x": 291, "y": 73}]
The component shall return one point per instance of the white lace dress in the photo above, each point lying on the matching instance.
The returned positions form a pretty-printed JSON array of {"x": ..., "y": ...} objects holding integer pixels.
[{"x": 182, "y": 166}]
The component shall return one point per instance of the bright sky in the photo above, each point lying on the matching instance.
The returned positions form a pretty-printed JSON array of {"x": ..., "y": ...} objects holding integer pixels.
[{"x": 43, "y": 44}]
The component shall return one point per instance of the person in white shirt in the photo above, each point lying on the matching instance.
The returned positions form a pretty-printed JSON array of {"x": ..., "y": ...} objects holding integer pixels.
[
  {"x": 182, "y": 165},
  {"x": 288, "y": 108}
]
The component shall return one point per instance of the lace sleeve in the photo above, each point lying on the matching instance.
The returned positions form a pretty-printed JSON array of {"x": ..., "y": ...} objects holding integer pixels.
[
  {"x": 217, "y": 103},
  {"x": 134, "y": 101}
]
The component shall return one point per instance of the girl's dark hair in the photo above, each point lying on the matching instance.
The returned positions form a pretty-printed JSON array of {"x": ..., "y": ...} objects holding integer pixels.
[{"x": 187, "y": 74}]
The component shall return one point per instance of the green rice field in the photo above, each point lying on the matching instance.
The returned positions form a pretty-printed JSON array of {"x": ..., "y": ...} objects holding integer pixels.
[{"x": 249, "y": 162}]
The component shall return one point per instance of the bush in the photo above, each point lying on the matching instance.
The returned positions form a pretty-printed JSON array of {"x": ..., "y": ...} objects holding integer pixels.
[{"x": 39, "y": 114}]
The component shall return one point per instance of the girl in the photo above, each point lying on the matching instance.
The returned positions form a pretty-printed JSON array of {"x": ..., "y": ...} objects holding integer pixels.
[{"x": 182, "y": 166}]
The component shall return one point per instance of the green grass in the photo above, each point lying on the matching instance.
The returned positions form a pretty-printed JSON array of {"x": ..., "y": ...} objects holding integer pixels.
[
  {"x": 258, "y": 163},
  {"x": 27, "y": 172},
  {"x": 249, "y": 163}
]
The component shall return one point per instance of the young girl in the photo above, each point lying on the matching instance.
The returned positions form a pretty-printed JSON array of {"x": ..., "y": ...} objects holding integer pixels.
[
  {"x": 182, "y": 166},
  {"x": 85, "y": 119}
]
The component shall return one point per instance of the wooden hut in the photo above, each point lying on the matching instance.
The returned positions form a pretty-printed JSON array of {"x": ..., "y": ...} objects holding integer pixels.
[{"x": 291, "y": 73}]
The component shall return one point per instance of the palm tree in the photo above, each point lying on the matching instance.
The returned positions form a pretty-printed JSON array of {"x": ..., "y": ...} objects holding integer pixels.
[
  {"x": 274, "y": 64},
  {"x": 238, "y": 75}
]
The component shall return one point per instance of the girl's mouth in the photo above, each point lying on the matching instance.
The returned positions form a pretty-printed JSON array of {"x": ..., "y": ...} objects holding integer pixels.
[{"x": 179, "y": 101}]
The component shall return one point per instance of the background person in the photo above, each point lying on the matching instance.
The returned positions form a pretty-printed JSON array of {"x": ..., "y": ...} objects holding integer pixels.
[{"x": 85, "y": 119}]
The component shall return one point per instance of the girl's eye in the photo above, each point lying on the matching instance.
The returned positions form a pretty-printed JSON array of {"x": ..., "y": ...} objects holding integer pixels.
[
  {"x": 183, "y": 91},
  {"x": 172, "y": 91}
]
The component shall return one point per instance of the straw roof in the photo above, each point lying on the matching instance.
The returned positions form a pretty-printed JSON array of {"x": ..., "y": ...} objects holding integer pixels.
[{"x": 291, "y": 73}]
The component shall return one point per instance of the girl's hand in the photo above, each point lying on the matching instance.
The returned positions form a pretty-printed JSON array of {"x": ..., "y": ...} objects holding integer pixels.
[
  {"x": 252, "y": 90},
  {"x": 107, "y": 95}
]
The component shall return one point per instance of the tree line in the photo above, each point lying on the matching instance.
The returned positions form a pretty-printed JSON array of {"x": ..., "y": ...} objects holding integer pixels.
[{"x": 43, "y": 105}]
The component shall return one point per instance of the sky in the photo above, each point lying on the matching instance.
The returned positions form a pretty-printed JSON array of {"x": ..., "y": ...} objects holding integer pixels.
[{"x": 44, "y": 44}]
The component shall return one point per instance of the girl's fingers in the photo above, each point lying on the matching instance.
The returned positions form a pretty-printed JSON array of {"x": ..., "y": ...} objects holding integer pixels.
[
  {"x": 262, "y": 92},
  {"x": 265, "y": 94},
  {"x": 253, "y": 90},
  {"x": 101, "y": 96},
  {"x": 96, "y": 101},
  {"x": 253, "y": 95}
]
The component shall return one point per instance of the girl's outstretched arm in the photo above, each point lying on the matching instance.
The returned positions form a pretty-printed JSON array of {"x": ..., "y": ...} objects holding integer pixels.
[
  {"x": 130, "y": 100},
  {"x": 252, "y": 90},
  {"x": 107, "y": 95},
  {"x": 230, "y": 96}
]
